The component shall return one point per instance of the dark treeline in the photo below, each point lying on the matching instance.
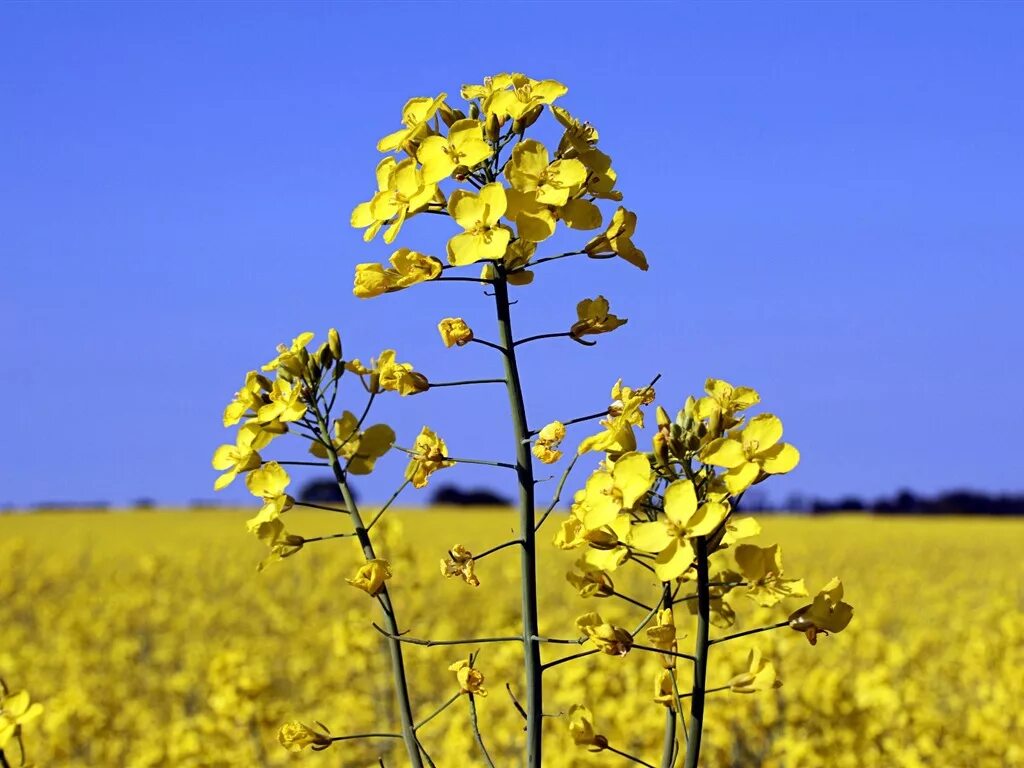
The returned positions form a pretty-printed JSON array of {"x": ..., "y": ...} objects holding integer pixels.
[{"x": 902, "y": 503}]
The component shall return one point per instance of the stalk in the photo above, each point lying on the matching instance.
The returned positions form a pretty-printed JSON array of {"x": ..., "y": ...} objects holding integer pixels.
[
  {"x": 528, "y": 558},
  {"x": 391, "y": 622},
  {"x": 700, "y": 665},
  {"x": 668, "y": 746}
]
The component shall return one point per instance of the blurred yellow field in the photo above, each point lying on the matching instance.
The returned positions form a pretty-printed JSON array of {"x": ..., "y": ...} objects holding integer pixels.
[{"x": 152, "y": 641}]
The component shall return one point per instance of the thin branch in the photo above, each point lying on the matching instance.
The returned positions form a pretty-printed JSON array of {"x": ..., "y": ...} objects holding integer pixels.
[
  {"x": 387, "y": 504},
  {"x": 573, "y": 657},
  {"x": 563, "y": 334},
  {"x": 476, "y": 731},
  {"x": 367, "y": 736},
  {"x": 780, "y": 625},
  {"x": 432, "y": 643},
  {"x": 465, "y": 383},
  {"x": 485, "y": 462},
  {"x": 498, "y": 548},
  {"x": 546, "y": 259},
  {"x": 437, "y": 711},
  {"x": 631, "y": 758},
  {"x": 490, "y": 344},
  {"x": 662, "y": 651},
  {"x": 558, "y": 493},
  {"x": 631, "y": 600},
  {"x": 560, "y": 640},
  {"x": 304, "y": 463}
]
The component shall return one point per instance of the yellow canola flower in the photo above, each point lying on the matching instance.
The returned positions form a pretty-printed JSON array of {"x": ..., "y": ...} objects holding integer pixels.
[
  {"x": 683, "y": 520},
  {"x": 464, "y": 147},
  {"x": 478, "y": 214},
  {"x": 401, "y": 192},
  {"x": 295, "y": 736},
  {"x": 371, "y": 576},
  {"x": 471, "y": 679},
  {"x": 827, "y": 614},
  {"x": 761, "y": 568},
  {"x": 387, "y": 374},
  {"x": 581, "y": 729},
  {"x": 248, "y": 399},
  {"x": 454, "y": 331},
  {"x": 291, "y": 359},
  {"x": 237, "y": 458},
  {"x": 360, "y": 449},
  {"x": 610, "y": 491},
  {"x": 594, "y": 318},
  {"x": 408, "y": 268},
  {"x": 286, "y": 403},
  {"x": 429, "y": 454},
  {"x": 281, "y": 543},
  {"x": 531, "y": 171},
  {"x": 606, "y": 637},
  {"x": 16, "y": 710},
  {"x": 579, "y": 136},
  {"x": 760, "y": 675},
  {"x": 722, "y": 402},
  {"x": 590, "y": 581},
  {"x": 416, "y": 114},
  {"x": 624, "y": 414},
  {"x": 665, "y": 689},
  {"x": 514, "y": 95},
  {"x": 750, "y": 452},
  {"x": 617, "y": 240},
  {"x": 460, "y": 563},
  {"x": 663, "y": 635},
  {"x": 548, "y": 439},
  {"x": 272, "y": 509},
  {"x": 268, "y": 481}
]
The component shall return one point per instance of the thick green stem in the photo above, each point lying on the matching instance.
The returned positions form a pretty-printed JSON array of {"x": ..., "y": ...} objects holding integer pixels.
[
  {"x": 534, "y": 702},
  {"x": 700, "y": 664},
  {"x": 412, "y": 746},
  {"x": 668, "y": 742}
]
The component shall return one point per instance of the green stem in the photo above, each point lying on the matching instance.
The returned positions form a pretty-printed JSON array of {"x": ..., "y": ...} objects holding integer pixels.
[
  {"x": 437, "y": 711},
  {"x": 527, "y": 529},
  {"x": 476, "y": 731},
  {"x": 770, "y": 627},
  {"x": 412, "y": 746},
  {"x": 668, "y": 742},
  {"x": 700, "y": 666},
  {"x": 631, "y": 758}
]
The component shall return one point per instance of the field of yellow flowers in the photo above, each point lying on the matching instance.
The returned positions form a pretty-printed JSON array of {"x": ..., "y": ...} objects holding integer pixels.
[{"x": 151, "y": 640}]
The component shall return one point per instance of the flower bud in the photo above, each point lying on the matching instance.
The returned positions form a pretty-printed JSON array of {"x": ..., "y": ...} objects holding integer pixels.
[
  {"x": 492, "y": 130},
  {"x": 474, "y": 110},
  {"x": 520, "y": 124},
  {"x": 334, "y": 340}
]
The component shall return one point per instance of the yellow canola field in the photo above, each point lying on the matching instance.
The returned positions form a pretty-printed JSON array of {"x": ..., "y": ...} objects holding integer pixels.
[{"x": 151, "y": 640}]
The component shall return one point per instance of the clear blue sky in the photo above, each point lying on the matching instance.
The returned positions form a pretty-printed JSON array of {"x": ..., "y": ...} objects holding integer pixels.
[{"x": 830, "y": 196}]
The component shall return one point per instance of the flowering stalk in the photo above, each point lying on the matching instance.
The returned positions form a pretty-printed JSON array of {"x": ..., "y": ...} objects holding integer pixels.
[
  {"x": 527, "y": 524},
  {"x": 397, "y": 661},
  {"x": 700, "y": 665}
]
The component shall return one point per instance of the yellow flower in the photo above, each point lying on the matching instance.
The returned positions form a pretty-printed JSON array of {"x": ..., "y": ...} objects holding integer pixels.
[
  {"x": 663, "y": 635},
  {"x": 371, "y": 576},
  {"x": 610, "y": 491},
  {"x": 408, "y": 268},
  {"x": 579, "y": 136},
  {"x": 594, "y": 318},
  {"x": 524, "y": 96},
  {"x": 233, "y": 459},
  {"x": 625, "y": 414},
  {"x": 722, "y": 403},
  {"x": 464, "y": 147},
  {"x": 754, "y": 450},
  {"x": 291, "y": 359},
  {"x": 286, "y": 403},
  {"x": 295, "y": 736},
  {"x": 683, "y": 520},
  {"x": 416, "y": 113},
  {"x": 272, "y": 533},
  {"x": 390, "y": 375},
  {"x": 517, "y": 258},
  {"x": 581, "y": 729},
  {"x": 665, "y": 689},
  {"x": 617, "y": 240},
  {"x": 248, "y": 399},
  {"x": 16, "y": 710},
  {"x": 361, "y": 449},
  {"x": 761, "y": 568},
  {"x": 607, "y": 638},
  {"x": 531, "y": 171},
  {"x": 272, "y": 509},
  {"x": 760, "y": 675},
  {"x": 454, "y": 331},
  {"x": 401, "y": 193},
  {"x": 460, "y": 563},
  {"x": 471, "y": 680},
  {"x": 590, "y": 581},
  {"x": 478, "y": 214},
  {"x": 828, "y": 613},
  {"x": 429, "y": 454},
  {"x": 268, "y": 481},
  {"x": 548, "y": 440}
]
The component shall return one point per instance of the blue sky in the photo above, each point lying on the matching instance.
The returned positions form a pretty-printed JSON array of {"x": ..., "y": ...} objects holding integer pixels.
[{"x": 829, "y": 195}]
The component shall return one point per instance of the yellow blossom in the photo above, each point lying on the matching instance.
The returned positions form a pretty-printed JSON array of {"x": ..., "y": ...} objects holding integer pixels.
[
  {"x": 606, "y": 637},
  {"x": 590, "y": 581},
  {"x": 371, "y": 576},
  {"x": 268, "y": 481},
  {"x": 402, "y": 192},
  {"x": 616, "y": 239},
  {"x": 760, "y": 675},
  {"x": 530, "y": 171},
  {"x": 515, "y": 95},
  {"x": 478, "y": 214},
  {"x": 581, "y": 729},
  {"x": 295, "y": 736},
  {"x": 460, "y": 563},
  {"x": 610, "y": 491},
  {"x": 393, "y": 376},
  {"x": 665, "y": 689},
  {"x": 761, "y": 568},
  {"x": 463, "y": 147},
  {"x": 722, "y": 403},
  {"x": 548, "y": 439},
  {"x": 360, "y": 449},
  {"x": 683, "y": 520},
  {"x": 248, "y": 399},
  {"x": 286, "y": 403},
  {"x": 16, "y": 710},
  {"x": 517, "y": 258},
  {"x": 625, "y": 414},
  {"x": 828, "y": 613},
  {"x": 281, "y": 543},
  {"x": 416, "y": 113},
  {"x": 429, "y": 454},
  {"x": 233, "y": 459},
  {"x": 594, "y": 318},
  {"x": 471, "y": 679},
  {"x": 663, "y": 635},
  {"x": 408, "y": 268},
  {"x": 291, "y": 359},
  {"x": 750, "y": 452},
  {"x": 272, "y": 509},
  {"x": 454, "y": 331}
]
